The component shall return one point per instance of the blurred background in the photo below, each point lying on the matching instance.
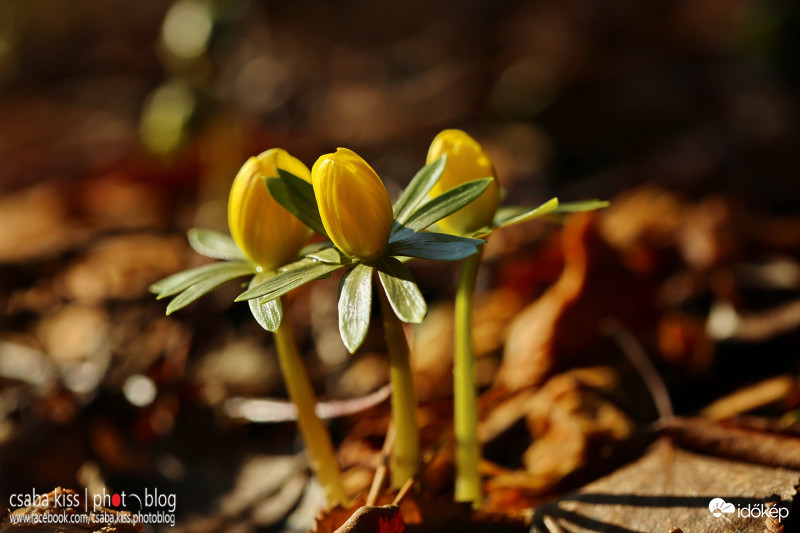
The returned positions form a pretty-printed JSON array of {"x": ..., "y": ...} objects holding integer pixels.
[{"x": 122, "y": 125}]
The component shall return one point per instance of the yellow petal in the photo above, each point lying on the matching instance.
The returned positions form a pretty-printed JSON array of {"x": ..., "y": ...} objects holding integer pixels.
[
  {"x": 466, "y": 161},
  {"x": 353, "y": 203},
  {"x": 266, "y": 232}
]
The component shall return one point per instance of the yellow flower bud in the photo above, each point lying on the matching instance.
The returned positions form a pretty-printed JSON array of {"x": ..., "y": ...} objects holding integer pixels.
[
  {"x": 466, "y": 161},
  {"x": 353, "y": 203},
  {"x": 267, "y": 233}
]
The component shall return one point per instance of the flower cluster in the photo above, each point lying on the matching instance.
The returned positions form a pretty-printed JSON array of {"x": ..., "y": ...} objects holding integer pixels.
[
  {"x": 275, "y": 206},
  {"x": 343, "y": 199}
]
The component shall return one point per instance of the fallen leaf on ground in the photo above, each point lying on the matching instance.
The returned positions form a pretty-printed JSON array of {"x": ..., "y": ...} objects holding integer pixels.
[
  {"x": 571, "y": 425},
  {"x": 123, "y": 267},
  {"x": 725, "y": 440},
  {"x": 374, "y": 519},
  {"x": 418, "y": 514},
  {"x": 669, "y": 487},
  {"x": 684, "y": 343},
  {"x": 35, "y": 224},
  {"x": 643, "y": 216},
  {"x": 560, "y": 326},
  {"x": 770, "y": 391}
]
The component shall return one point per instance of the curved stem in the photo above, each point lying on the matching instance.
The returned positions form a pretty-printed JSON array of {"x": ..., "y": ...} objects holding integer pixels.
[
  {"x": 315, "y": 434},
  {"x": 405, "y": 459},
  {"x": 468, "y": 452}
]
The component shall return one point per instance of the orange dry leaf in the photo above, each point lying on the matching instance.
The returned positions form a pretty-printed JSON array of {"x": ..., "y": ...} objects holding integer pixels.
[
  {"x": 564, "y": 323},
  {"x": 358, "y": 517},
  {"x": 420, "y": 514},
  {"x": 683, "y": 341},
  {"x": 374, "y": 519},
  {"x": 572, "y": 425}
]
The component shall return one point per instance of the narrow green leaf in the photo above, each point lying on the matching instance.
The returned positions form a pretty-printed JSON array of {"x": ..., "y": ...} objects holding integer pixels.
[
  {"x": 481, "y": 233},
  {"x": 507, "y": 216},
  {"x": 205, "y": 286},
  {"x": 183, "y": 280},
  {"x": 214, "y": 244},
  {"x": 507, "y": 212},
  {"x": 296, "y": 195},
  {"x": 328, "y": 255},
  {"x": 399, "y": 233},
  {"x": 578, "y": 207},
  {"x": 268, "y": 313},
  {"x": 296, "y": 265},
  {"x": 446, "y": 204},
  {"x": 402, "y": 292},
  {"x": 436, "y": 246},
  {"x": 313, "y": 247},
  {"x": 418, "y": 188},
  {"x": 355, "y": 305},
  {"x": 289, "y": 280}
]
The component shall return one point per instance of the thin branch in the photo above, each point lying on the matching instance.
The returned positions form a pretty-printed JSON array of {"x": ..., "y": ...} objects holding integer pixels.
[
  {"x": 383, "y": 467},
  {"x": 633, "y": 350}
]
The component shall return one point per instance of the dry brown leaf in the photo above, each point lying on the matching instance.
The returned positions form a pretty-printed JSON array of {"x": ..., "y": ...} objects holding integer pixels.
[
  {"x": 267, "y": 487},
  {"x": 74, "y": 333},
  {"x": 421, "y": 515},
  {"x": 365, "y": 374},
  {"x": 374, "y": 519},
  {"x": 34, "y": 223},
  {"x": 123, "y": 267},
  {"x": 555, "y": 330},
  {"x": 683, "y": 342},
  {"x": 499, "y": 412},
  {"x": 330, "y": 520},
  {"x": 120, "y": 201},
  {"x": 243, "y": 366},
  {"x": 76, "y": 337},
  {"x": 669, "y": 488},
  {"x": 572, "y": 426},
  {"x": 726, "y": 440},
  {"x": 770, "y": 391},
  {"x": 643, "y": 216}
]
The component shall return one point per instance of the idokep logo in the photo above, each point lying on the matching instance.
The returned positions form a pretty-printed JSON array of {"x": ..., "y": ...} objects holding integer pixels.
[{"x": 720, "y": 508}]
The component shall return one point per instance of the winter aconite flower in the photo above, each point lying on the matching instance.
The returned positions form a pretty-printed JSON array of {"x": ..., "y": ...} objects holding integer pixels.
[
  {"x": 466, "y": 161},
  {"x": 349, "y": 205},
  {"x": 347, "y": 202},
  {"x": 265, "y": 236},
  {"x": 353, "y": 204},
  {"x": 369, "y": 239},
  {"x": 267, "y": 233}
]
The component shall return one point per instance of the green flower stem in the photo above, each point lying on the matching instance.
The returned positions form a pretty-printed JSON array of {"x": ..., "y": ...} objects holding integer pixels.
[
  {"x": 405, "y": 460},
  {"x": 314, "y": 432},
  {"x": 468, "y": 453}
]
